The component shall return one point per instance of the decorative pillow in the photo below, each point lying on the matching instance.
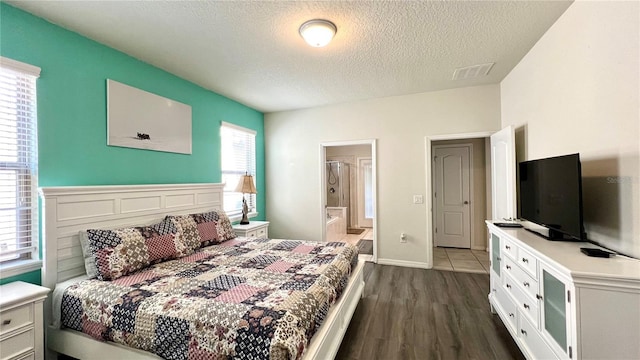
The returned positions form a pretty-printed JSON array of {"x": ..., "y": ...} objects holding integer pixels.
[
  {"x": 89, "y": 260},
  {"x": 204, "y": 229},
  {"x": 123, "y": 251}
]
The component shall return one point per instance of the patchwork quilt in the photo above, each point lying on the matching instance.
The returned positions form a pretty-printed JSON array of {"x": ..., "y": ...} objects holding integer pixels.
[{"x": 241, "y": 299}]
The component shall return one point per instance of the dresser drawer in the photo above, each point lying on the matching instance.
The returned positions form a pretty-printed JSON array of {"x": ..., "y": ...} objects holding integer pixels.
[
  {"x": 29, "y": 356},
  {"x": 15, "y": 318},
  {"x": 262, "y": 232},
  {"x": 528, "y": 262},
  {"x": 537, "y": 347},
  {"x": 251, "y": 233},
  {"x": 526, "y": 306},
  {"x": 508, "y": 307},
  {"x": 21, "y": 323},
  {"x": 522, "y": 278},
  {"x": 17, "y": 344},
  {"x": 509, "y": 249}
]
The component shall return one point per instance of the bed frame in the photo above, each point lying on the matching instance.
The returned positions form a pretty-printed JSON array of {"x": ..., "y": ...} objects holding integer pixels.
[{"x": 67, "y": 210}]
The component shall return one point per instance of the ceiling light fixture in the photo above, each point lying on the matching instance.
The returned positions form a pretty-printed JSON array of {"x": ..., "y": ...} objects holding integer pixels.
[{"x": 318, "y": 32}]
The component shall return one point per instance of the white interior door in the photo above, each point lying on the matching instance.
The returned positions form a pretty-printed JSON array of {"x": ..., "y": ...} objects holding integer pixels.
[
  {"x": 365, "y": 193},
  {"x": 503, "y": 174},
  {"x": 451, "y": 197}
]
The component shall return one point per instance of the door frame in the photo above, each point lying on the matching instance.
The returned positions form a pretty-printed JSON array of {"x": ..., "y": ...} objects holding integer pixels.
[
  {"x": 429, "y": 191},
  {"x": 323, "y": 188},
  {"x": 471, "y": 193},
  {"x": 360, "y": 190}
]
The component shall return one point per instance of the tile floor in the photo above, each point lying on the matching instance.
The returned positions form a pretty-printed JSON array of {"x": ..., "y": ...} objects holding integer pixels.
[
  {"x": 354, "y": 238},
  {"x": 461, "y": 260}
]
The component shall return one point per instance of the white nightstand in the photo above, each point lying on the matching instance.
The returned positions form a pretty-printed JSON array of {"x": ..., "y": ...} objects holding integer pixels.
[
  {"x": 21, "y": 321},
  {"x": 258, "y": 229}
]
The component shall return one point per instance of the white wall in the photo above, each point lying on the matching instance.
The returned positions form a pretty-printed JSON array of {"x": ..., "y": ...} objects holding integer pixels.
[
  {"x": 577, "y": 90},
  {"x": 400, "y": 124}
]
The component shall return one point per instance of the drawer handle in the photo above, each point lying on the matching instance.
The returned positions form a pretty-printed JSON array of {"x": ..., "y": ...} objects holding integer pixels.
[
  {"x": 494, "y": 290},
  {"x": 508, "y": 267},
  {"x": 523, "y": 332},
  {"x": 507, "y": 247},
  {"x": 511, "y": 315},
  {"x": 526, "y": 306},
  {"x": 538, "y": 296},
  {"x": 525, "y": 260},
  {"x": 526, "y": 284},
  {"x": 6, "y": 322},
  {"x": 508, "y": 286}
]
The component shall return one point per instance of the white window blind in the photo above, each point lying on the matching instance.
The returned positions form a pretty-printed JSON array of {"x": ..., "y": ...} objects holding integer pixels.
[
  {"x": 238, "y": 152},
  {"x": 18, "y": 161}
]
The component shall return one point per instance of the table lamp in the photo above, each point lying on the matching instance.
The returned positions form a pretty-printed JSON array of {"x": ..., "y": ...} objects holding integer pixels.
[{"x": 245, "y": 186}]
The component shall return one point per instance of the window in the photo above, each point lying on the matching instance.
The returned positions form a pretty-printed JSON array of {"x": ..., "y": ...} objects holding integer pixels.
[
  {"x": 238, "y": 157},
  {"x": 18, "y": 162}
]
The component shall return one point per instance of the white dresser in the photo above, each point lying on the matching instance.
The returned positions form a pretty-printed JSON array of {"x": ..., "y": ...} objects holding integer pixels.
[
  {"x": 558, "y": 303},
  {"x": 259, "y": 229},
  {"x": 21, "y": 321}
]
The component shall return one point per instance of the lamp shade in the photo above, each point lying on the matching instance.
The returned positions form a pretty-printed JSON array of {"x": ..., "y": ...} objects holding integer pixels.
[
  {"x": 318, "y": 32},
  {"x": 245, "y": 185}
]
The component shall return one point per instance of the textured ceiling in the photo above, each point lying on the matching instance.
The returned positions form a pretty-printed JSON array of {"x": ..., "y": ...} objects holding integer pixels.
[{"x": 251, "y": 51}]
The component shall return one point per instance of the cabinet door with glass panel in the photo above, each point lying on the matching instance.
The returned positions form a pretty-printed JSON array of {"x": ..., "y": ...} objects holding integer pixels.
[
  {"x": 495, "y": 253},
  {"x": 556, "y": 304}
]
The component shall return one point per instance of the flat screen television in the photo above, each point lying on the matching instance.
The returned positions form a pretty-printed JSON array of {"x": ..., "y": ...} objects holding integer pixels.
[{"x": 551, "y": 196}]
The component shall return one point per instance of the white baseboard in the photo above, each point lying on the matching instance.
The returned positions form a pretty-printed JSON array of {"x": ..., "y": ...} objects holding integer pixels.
[{"x": 404, "y": 263}]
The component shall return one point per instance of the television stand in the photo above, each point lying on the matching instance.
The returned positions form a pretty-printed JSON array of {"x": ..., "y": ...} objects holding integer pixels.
[{"x": 558, "y": 303}]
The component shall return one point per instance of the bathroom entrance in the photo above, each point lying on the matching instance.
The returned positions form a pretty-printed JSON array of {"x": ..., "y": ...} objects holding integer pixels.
[
  {"x": 339, "y": 189},
  {"x": 348, "y": 193}
]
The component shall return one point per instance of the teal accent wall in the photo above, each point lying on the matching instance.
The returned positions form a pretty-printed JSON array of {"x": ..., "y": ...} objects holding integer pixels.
[
  {"x": 72, "y": 116},
  {"x": 30, "y": 277}
]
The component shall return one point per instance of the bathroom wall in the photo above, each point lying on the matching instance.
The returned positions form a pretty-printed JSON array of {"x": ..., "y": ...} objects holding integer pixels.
[{"x": 350, "y": 154}]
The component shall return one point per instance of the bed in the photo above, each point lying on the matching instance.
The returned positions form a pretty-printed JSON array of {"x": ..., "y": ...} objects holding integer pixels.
[{"x": 69, "y": 210}]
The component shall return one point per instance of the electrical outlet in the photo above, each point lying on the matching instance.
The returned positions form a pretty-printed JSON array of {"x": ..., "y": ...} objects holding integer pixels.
[
  {"x": 418, "y": 199},
  {"x": 403, "y": 238}
]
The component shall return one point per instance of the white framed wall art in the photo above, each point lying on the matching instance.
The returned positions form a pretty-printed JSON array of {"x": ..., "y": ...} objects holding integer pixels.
[{"x": 142, "y": 120}]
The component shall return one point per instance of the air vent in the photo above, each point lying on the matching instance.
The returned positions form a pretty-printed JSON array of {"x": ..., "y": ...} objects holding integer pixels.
[{"x": 473, "y": 71}]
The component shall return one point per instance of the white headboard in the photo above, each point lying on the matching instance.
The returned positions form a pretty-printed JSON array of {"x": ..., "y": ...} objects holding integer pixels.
[{"x": 67, "y": 210}]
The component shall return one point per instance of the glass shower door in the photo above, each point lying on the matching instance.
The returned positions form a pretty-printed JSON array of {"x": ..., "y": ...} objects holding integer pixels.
[{"x": 333, "y": 183}]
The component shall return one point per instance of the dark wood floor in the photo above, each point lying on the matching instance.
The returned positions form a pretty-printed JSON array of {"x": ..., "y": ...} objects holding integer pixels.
[{"x": 410, "y": 313}]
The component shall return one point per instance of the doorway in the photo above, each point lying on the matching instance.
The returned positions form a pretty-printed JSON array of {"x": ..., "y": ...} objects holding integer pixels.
[
  {"x": 455, "y": 256},
  {"x": 348, "y": 190},
  {"x": 452, "y": 193}
]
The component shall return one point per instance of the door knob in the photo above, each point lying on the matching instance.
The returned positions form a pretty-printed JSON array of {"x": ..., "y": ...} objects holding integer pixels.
[{"x": 466, "y": 202}]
